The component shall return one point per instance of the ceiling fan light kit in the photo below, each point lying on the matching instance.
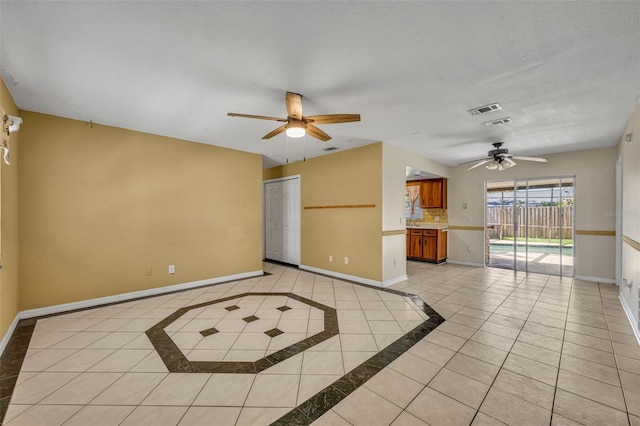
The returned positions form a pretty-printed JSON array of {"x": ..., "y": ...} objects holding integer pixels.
[{"x": 296, "y": 125}]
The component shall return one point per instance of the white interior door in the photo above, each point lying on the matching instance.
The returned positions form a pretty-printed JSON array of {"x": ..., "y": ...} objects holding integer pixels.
[
  {"x": 273, "y": 221},
  {"x": 282, "y": 220}
]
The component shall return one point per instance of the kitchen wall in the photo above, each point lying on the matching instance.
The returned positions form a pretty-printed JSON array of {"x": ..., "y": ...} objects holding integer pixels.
[
  {"x": 630, "y": 215},
  {"x": 595, "y": 198},
  {"x": 104, "y": 211},
  {"x": 9, "y": 291},
  {"x": 344, "y": 178}
]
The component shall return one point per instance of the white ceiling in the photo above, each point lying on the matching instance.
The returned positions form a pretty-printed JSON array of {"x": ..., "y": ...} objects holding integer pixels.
[{"x": 567, "y": 73}]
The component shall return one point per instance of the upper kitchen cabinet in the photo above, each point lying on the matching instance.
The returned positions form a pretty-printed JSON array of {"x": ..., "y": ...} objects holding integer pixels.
[{"x": 433, "y": 194}]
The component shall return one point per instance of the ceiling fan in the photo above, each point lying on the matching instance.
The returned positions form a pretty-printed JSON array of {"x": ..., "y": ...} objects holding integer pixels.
[
  {"x": 500, "y": 159},
  {"x": 298, "y": 125}
]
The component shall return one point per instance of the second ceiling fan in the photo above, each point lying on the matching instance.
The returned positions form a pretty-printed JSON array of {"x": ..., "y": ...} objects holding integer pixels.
[
  {"x": 296, "y": 125},
  {"x": 500, "y": 159}
]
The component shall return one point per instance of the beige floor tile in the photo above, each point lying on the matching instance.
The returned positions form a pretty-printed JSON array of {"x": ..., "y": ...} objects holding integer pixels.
[
  {"x": 590, "y": 354},
  {"x": 500, "y": 329},
  {"x": 431, "y": 352},
  {"x": 416, "y": 368},
  {"x": 586, "y": 411},
  {"x": 274, "y": 391},
  {"x": 461, "y": 388},
  {"x": 591, "y": 389},
  {"x": 536, "y": 353},
  {"x": 530, "y": 368},
  {"x": 484, "y": 353},
  {"x": 395, "y": 387},
  {"x": 475, "y": 313},
  {"x": 474, "y": 368},
  {"x": 635, "y": 420},
  {"x": 330, "y": 418},
  {"x": 151, "y": 364},
  {"x": 40, "y": 386},
  {"x": 544, "y": 330},
  {"x": 511, "y": 410},
  {"x": 590, "y": 369},
  {"x": 630, "y": 381},
  {"x": 45, "y": 415},
  {"x": 558, "y": 420},
  {"x": 100, "y": 415},
  {"x": 45, "y": 358},
  {"x": 585, "y": 329},
  {"x": 203, "y": 416},
  {"x": 322, "y": 363},
  {"x": 589, "y": 341},
  {"x": 352, "y": 360},
  {"x": 540, "y": 340},
  {"x": 457, "y": 329},
  {"x": 14, "y": 410},
  {"x": 82, "y": 389},
  {"x": 435, "y": 408},
  {"x": 506, "y": 321},
  {"x": 358, "y": 343},
  {"x": 114, "y": 340},
  {"x": 354, "y": 327},
  {"x": 406, "y": 419},
  {"x": 177, "y": 389},
  {"x": 525, "y": 388},
  {"x": 130, "y": 389},
  {"x": 631, "y": 351},
  {"x": 121, "y": 360},
  {"x": 379, "y": 412},
  {"x": 633, "y": 402},
  {"x": 225, "y": 390},
  {"x": 446, "y": 340},
  {"x": 493, "y": 340},
  {"x": 466, "y": 320},
  {"x": 482, "y": 419}
]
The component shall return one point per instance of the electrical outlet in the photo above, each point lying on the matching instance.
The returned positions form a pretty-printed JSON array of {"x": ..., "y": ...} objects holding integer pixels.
[
  {"x": 330, "y": 258},
  {"x": 470, "y": 219},
  {"x": 469, "y": 249},
  {"x": 148, "y": 271},
  {"x": 437, "y": 218},
  {"x": 346, "y": 260},
  {"x": 172, "y": 269}
]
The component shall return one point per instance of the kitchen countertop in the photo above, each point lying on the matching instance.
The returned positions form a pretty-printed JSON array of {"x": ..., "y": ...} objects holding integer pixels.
[{"x": 429, "y": 226}]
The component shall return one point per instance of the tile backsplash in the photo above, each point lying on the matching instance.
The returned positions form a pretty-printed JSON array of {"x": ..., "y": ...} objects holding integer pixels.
[{"x": 429, "y": 215}]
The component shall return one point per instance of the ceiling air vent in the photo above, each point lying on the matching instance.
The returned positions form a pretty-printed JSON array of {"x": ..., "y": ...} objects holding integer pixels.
[
  {"x": 331, "y": 148},
  {"x": 498, "y": 122},
  {"x": 485, "y": 108}
]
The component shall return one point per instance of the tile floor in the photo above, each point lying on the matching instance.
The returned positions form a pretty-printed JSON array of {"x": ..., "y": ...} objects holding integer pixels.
[{"x": 515, "y": 349}]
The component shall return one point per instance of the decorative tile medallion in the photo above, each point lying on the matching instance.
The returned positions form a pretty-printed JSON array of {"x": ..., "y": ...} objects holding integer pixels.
[{"x": 177, "y": 362}]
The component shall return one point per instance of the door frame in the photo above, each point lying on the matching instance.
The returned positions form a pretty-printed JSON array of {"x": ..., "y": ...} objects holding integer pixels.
[
  {"x": 264, "y": 212},
  {"x": 561, "y": 179}
]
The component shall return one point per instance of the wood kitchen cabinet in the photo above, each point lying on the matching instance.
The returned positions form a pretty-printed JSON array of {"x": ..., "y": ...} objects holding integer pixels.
[
  {"x": 428, "y": 245},
  {"x": 433, "y": 193}
]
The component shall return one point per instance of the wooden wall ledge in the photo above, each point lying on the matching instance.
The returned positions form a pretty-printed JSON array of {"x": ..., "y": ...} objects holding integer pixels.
[
  {"x": 590, "y": 232},
  {"x": 344, "y": 206},
  {"x": 633, "y": 243}
]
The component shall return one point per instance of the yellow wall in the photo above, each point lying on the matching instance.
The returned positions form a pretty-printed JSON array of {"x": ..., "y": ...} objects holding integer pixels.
[
  {"x": 630, "y": 214},
  {"x": 344, "y": 178},
  {"x": 595, "y": 196},
  {"x": 100, "y": 206},
  {"x": 9, "y": 226}
]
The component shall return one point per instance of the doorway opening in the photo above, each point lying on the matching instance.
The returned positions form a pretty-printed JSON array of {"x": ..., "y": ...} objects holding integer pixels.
[
  {"x": 530, "y": 225},
  {"x": 282, "y": 220}
]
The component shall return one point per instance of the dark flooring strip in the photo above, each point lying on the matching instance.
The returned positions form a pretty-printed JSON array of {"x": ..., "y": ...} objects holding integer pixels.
[{"x": 326, "y": 399}]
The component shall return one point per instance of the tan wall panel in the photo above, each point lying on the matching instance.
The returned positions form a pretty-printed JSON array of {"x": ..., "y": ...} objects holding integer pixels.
[
  {"x": 100, "y": 206},
  {"x": 9, "y": 293},
  {"x": 349, "y": 177}
]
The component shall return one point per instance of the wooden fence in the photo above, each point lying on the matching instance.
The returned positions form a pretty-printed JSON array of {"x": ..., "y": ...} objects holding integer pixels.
[{"x": 544, "y": 222}]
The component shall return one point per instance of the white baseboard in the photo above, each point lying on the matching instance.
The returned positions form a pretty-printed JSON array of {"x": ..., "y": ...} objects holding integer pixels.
[
  {"x": 5, "y": 339},
  {"x": 458, "y": 262},
  {"x": 596, "y": 279},
  {"x": 627, "y": 310},
  {"x": 395, "y": 280},
  {"x": 357, "y": 279}
]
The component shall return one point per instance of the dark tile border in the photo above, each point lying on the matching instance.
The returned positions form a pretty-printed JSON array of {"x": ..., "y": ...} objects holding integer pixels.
[{"x": 177, "y": 362}]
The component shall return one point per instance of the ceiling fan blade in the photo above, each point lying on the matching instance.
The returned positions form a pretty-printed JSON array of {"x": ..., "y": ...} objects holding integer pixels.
[
  {"x": 476, "y": 160},
  {"x": 332, "y": 118},
  {"x": 539, "y": 160},
  {"x": 275, "y": 132},
  {"x": 260, "y": 117},
  {"x": 317, "y": 133},
  {"x": 293, "y": 102},
  {"x": 479, "y": 164},
  {"x": 508, "y": 162}
]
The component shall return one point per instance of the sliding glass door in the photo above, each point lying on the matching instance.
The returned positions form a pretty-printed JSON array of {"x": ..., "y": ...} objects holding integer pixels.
[{"x": 530, "y": 224}]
